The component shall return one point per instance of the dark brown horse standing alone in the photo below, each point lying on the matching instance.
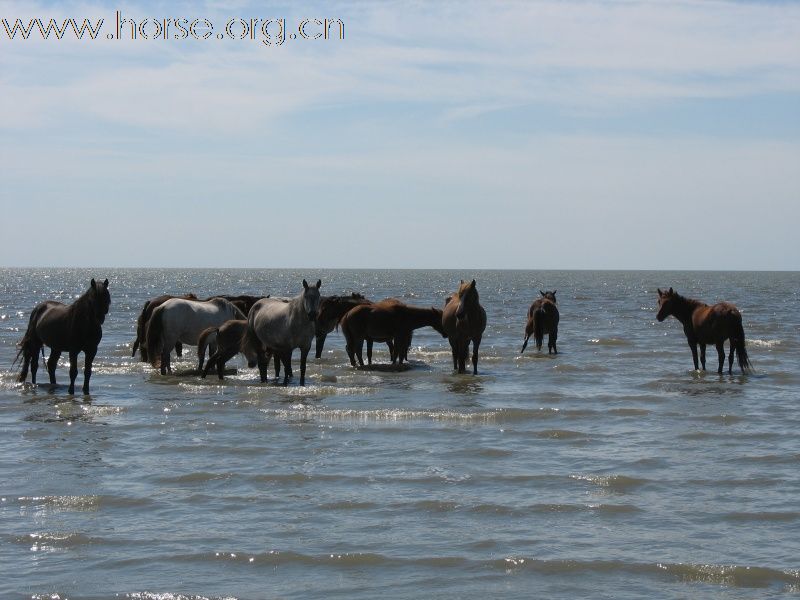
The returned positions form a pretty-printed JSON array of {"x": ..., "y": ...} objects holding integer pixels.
[
  {"x": 543, "y": 319},
  {"x": 73, "y": 328},
  {"x": 463, "y": 321},
  {"x": 704, "y": 324}
]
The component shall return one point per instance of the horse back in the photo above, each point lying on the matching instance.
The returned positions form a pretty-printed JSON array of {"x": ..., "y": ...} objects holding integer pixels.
[
  {"x": 716, "y": 323},
  {"x": 62, "y": 327}
]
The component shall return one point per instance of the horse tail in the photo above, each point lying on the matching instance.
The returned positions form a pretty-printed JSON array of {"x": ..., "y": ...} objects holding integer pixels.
[
  {"x": 538, "y": 326},
  {"x": 204, "y": 341},
  {"x": 139, "y": 329},
  {"x": 27, "y": 344},
  {"x": 155, "y": 328},
  {"x": 741, "y": 351},
  {"x": 528, "y": 332}
]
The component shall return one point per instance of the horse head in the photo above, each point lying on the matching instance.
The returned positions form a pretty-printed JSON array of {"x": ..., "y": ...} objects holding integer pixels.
[
  {"x": 100, "y": 299},
  {"x": 666, "y": 303},
  {"x": 549, "y": 295},
  {"x": 311, "y": 299},
  {"x": 467, "y": 296},
  {"x": 437, "y": 321}
]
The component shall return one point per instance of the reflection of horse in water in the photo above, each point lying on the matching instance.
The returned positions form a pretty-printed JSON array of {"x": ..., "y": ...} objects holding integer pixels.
[
  {"x": 704, "y": 324},
  {"x": 73, "y": 328},
  {"x": 542, "y": 319}
]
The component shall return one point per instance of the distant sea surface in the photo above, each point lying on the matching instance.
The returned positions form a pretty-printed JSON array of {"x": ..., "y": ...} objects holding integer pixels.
[{"x": 611, "y": 470}]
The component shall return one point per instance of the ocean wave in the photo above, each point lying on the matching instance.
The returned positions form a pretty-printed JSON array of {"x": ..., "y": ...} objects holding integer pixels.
[
  {"x": 614, "y": 483},
  {"x": 49, "y": 541},
  {"x": 612, "y": 341},
  {"x": 171, "y": 596},
  {"x": 498, "y": 416},
  {"x": 776, "y": 516},
  {"x": 717, "y": 574},
  {"x": 764, "y": 343}
]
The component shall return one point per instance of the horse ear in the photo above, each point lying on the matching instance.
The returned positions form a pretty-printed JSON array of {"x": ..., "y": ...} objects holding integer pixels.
[
  {"x": 105, "y": 284},
  {"x": 554, "y": 292},
  {"x": 472, "y": 285},
  {"x": 94, "y": 283},
  {"x": 305, "y": 284},
  {"x": 319, "y": 283},
  {"x": 462, "y": 281},
  {"x": 541, "y": 292},
  {"x": 660, "y": 293},
  {"x": 671, "y": 291}
]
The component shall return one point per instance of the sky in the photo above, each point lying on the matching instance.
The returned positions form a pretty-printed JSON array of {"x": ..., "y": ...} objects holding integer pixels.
[{"x": 634, "y": 134}]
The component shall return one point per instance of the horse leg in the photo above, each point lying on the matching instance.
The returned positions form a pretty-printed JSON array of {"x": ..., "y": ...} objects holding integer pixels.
[
  {"x": 222, "y": 358},
  {"x": 703, "y": 356},
  {"x": 88, "y": 357},
  {"x": 52, "y": 363},
  {"x": 454, "y": 350},
  {"x": 320, "y": 344},
  {"x": 201, "y": 357},
  {"x": 730, "y": 357},
  {"x": 303, "y": 358},
  {"x": 287, "y": 366},
  {"x": 212, "y": 360},
  {"x": 73, "y": 371},
  {"x": 392, "y": 349},
  {"x": 463, "y": 351},
  {"x": 165, "y": 360},
  {"x": 554, "y": 337},
  {"x": 263, "y": 363},
  {"x": 369, "y": 353},
  {"x": 179, "y": 349},
  {"x": 693, "y": 347},
  {"x": 475, "y": 343},
  {"x": 721, "y": 353},
  {"x": 359, "y": 349}
]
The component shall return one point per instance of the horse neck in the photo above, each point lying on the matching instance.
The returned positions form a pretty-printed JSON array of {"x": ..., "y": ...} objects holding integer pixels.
[
  {"x": 83, "y": 306},
  {"x": 421, "y": 317},
  {"x": 472, "y": 307},
  {"x": 297, "y": 308},
  {"x": 684, "y": 309}
]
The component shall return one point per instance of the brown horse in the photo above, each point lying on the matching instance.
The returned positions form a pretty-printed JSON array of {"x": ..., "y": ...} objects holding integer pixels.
[
  {"x": 704, "y": 324},
  {"x": 144, "y": 317},
  {"x": 229, "y": 340},
  {"x": 74, "y": 329},
  {"x": 464, "y": 321},
  {"x": 331, "y": 311},
  {"x": 542, "y": 319},
  {"x": 388, "y": 320}
]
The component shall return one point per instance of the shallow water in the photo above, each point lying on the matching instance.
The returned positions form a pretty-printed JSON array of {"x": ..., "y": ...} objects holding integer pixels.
[{"x": 610, "y": 470}]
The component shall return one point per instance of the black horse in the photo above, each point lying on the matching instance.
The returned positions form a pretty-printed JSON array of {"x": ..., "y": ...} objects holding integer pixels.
[{"x": 73, "y": 328}]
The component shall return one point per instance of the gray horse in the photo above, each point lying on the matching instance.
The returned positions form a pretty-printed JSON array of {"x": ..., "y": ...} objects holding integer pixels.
[{"x": 275, "y": 326}]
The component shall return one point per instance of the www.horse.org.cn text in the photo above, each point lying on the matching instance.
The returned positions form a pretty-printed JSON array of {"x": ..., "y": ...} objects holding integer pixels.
[{"x": 269, "y": 31}]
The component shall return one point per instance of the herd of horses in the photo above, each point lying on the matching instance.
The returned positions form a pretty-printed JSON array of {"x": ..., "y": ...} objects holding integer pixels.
[{"x": 271, "y": 328}]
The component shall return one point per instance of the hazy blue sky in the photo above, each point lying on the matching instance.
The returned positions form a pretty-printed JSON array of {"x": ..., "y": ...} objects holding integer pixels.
[{"x": 636, "y": 134}]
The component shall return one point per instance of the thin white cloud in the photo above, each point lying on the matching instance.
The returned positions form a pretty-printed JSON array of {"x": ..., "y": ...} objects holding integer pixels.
[{"x": 468, "y": 58}]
